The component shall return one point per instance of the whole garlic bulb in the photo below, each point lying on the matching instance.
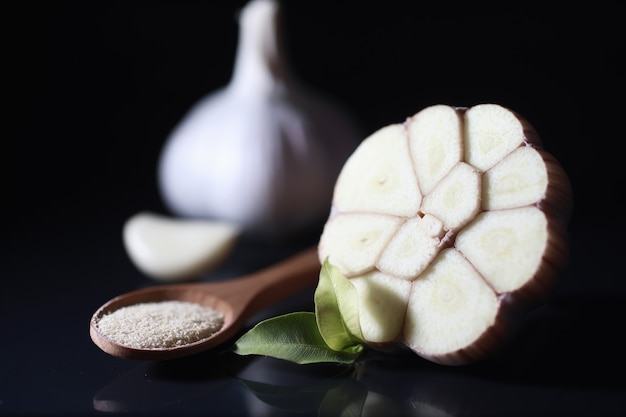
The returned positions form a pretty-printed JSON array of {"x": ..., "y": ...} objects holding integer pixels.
[{"x": 263, "y": 152}]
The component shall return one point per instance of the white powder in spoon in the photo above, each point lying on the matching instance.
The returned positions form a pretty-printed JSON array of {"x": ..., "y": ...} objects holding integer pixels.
[{"x": 160, "y": 325}]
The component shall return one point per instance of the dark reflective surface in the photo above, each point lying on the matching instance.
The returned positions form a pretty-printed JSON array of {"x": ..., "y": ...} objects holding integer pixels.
[
  {"x": 95, "y": 89},
  {"x": 566, "y": 360}
]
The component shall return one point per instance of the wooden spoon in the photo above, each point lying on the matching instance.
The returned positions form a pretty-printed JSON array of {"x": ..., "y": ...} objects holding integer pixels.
[{"x": 237, "y": 299}]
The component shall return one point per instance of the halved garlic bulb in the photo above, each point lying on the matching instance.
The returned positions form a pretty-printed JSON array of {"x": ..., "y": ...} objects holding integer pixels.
[{"x": 449, "y": 225}]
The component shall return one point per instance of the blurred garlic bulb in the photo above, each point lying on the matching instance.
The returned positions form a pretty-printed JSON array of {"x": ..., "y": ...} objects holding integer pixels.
[{"x": 263, "y": 152}]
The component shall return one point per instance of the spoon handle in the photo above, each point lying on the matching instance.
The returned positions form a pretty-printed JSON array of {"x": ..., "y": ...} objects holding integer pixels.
[
  {"x": 252, "y": 293},
  {"x": 277, "y": 282},
  {"x": 284, "y": 279}
]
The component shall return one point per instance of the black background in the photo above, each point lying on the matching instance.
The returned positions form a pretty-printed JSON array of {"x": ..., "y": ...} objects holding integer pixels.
[
  {"x": 92, "y": 89},
  {"x": 96, "y": 87}
]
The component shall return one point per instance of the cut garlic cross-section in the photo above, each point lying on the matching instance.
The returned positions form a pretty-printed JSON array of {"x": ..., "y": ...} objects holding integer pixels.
[{"x": 458, "y": 216}]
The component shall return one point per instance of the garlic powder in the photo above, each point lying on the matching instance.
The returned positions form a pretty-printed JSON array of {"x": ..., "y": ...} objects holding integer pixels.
[{"x": 160, "y": 325}]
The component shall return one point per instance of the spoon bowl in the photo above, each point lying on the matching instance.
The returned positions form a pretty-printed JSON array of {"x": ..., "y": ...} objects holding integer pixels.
[{"x": 237, "y": 299}]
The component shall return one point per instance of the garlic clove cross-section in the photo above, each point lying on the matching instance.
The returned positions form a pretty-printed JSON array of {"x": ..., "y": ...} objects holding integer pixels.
[
  {"x": 451, "y": 226},
  {"x": 264, "y": 151},
  {"x": 173, "y": 249}
]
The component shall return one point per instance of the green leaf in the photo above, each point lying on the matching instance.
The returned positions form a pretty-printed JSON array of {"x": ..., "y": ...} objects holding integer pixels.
[
  {"x": 337, "y": 310},
  {"x": 294, "y": 337}
]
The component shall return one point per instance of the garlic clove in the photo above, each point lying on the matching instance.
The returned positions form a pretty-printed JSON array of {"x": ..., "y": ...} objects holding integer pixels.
[
  {"x": 264, "y": 151},
  {"x": 170, "y": 249}
]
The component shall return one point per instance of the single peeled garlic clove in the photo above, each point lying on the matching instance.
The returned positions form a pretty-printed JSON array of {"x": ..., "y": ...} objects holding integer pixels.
[{"x": 169, "y": 249}]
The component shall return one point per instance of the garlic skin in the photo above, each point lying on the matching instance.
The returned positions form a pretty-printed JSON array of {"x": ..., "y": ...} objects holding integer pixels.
[{"x": 263, "y": 152}]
